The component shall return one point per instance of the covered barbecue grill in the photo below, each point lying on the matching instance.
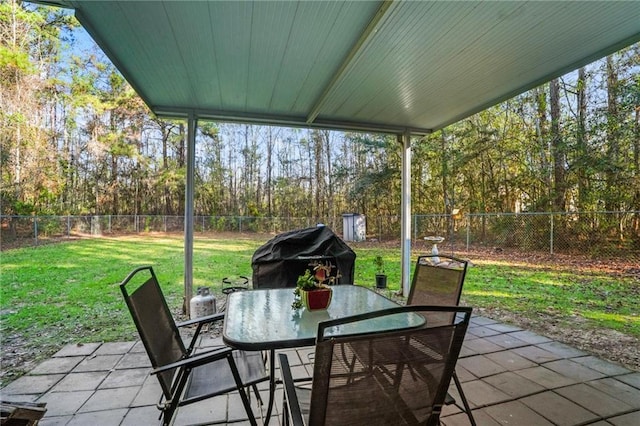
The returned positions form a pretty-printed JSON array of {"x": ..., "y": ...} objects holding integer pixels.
[{"x": 280, "y": 261}]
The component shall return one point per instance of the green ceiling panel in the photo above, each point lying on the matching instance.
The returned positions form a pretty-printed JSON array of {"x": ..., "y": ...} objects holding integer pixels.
[{"x": 386, "y": 66}]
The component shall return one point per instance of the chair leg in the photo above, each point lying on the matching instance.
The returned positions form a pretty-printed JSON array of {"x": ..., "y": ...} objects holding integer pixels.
[
  {"x": 255, "y": 390},
  {"x": 241, "y": 390},
  {"x": 464, "y": 399}
]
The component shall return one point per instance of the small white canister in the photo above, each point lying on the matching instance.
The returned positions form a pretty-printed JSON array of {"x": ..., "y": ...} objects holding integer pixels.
[{"x": 202, "y": 304}]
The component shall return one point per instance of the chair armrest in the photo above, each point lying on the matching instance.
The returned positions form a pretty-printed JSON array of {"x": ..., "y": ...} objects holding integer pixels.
[
  {"x": 203, "y": 320},
  {"x": 295, "y": 414},
  {"x": 195, "y": 360},
  {"x": 199, "y": 322}
]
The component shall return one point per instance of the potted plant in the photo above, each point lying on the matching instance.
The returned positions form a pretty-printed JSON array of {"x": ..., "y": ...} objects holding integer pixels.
[
  {"x": 311, "y": 290},
  {"x": 381, "y": 277}
]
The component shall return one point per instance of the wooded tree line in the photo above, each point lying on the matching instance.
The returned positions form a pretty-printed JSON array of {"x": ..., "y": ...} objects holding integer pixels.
[{"x": 76, "y": 139}]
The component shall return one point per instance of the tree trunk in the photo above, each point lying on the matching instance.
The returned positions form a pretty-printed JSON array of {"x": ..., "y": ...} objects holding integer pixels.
[
  {"x": 581, "y": 141},
  {"x": 557, "y": 149},
  {"x": 613, "y": 137}
]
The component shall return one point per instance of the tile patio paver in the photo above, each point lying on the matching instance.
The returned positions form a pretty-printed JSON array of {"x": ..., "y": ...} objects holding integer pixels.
[
  {"x": 562, "y": 350},
  {"x": 33, "y": 384},
  {"x": 503, "y": 328},
  {"x": 80, "y": 381},
  {"x": 632, "y": 379},
  {"x": 602, "y": 366},
  {"x": 537, "y": 354},
  {"x": 478, "y": 347},
  {"x": 480, "y": 393},
  {"x": 79, "y": 349},
  {"x": 140, "y": 415},
  {"x": 540, "y": 382},
  {"x": 461, "y": 419},
  {"x": 210, "y": 410},
  {"x": 479, "y": 321},
  {"x": 149, "y": 393},
  {"x": 630, "y": 419},
  {"x": 122, "y": 378},
  {"x": 480, "y": 366},
  {"x": 619, "y": 390},
  {"x": 514, "y": 385},
  {"x": 98, "y": 363},
  {"x": 463, "y": 374},
  {"x": 530, "y": 337},
  {"x": 507, "y": 341},
  {"x": 134, "y": 360},
  {"x": 55, "y": 421},
  {"x": 558, "y": 410},
  {"x": 516, "y": 413},
  {"x": 65, "y": 403},
  {"x": 60, "y": 365},
  {"x": 510, "y": 360},
  {"x": 110, "y": 399},
  {"x": 482, "y": 331},
  {"x": 595, "y": 400},
  {"x": 115, "y": 348},
  {"x": 574, "y": 370},
  {"x": 102, "y": 418},
  {"x": 545, "y": 377}
]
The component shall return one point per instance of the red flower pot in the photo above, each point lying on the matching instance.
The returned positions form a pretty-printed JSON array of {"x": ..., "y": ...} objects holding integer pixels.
[{"x": 318, "y": 299}]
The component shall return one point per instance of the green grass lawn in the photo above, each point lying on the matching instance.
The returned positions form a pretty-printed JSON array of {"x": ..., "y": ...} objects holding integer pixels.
[{"x": 62, "y": 293}]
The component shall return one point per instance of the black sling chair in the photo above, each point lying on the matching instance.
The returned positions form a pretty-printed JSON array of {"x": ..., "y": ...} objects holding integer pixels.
[
  {"x": 396, "y": 377},
  {"x": 438, "y": 280},
  {"x": 186, "y": 377}
]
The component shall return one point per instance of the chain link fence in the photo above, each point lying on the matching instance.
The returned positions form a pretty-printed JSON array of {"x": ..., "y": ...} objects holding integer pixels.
[{"x": 600, "y": 234}]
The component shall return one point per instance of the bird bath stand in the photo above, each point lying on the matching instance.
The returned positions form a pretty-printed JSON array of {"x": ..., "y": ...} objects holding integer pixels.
[{"x": 434, "y": 249}]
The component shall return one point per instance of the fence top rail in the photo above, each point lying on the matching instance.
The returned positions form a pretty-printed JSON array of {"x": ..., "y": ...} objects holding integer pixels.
[
  {"x": 552, "y": 213},
  {"x": 434, "y": 215}
]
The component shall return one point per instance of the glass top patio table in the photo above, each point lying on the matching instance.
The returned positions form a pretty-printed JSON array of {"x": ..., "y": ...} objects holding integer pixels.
[{"x": 264, "y": 319}]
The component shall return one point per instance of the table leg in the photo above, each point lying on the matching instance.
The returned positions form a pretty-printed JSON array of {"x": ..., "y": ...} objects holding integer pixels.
[{"x": 272, "y": 384}]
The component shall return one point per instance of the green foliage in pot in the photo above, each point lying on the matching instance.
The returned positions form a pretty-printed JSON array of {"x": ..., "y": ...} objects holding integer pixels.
[{"x": 379, "y": 262}]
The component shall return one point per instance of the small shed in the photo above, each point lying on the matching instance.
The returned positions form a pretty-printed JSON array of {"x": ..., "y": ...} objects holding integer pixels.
[
  {"x": 354, "y": 227},
  {"x": 280, "y": 261}
]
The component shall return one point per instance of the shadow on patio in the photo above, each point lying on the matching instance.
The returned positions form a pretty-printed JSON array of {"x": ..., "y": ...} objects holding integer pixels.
[{"x": 510, "y": 376}]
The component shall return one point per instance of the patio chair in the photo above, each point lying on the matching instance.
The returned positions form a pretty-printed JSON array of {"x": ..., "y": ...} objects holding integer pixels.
[
  {"x": 440, "y": 284},
  {"x": 186, "y": 376},
  {"x": 394, "y": 378}
]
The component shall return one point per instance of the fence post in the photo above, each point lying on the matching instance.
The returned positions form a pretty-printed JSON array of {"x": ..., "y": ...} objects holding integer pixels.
[
  {"x": 109, "y": 219},
  {"x": 68, "y": 226},
  {"x": 415, "y": 227},
  {"x": 35, "y": 228},
  {"x": 468, "y": 230},
  {"x": 551, "y": 235}
]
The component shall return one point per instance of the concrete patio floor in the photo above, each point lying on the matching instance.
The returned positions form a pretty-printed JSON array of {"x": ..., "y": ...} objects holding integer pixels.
[{"x": 510, "y": 377}]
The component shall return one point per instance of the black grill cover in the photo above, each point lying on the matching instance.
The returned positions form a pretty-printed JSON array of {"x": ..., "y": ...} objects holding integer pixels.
[{"x": 280, "y": 261}]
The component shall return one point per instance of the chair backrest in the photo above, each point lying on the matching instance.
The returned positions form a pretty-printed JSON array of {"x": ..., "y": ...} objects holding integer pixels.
[
  {"x": 155, "y": 324},
  {"x": 437, "y": 284},
  {"x": 394, "y": 377}
]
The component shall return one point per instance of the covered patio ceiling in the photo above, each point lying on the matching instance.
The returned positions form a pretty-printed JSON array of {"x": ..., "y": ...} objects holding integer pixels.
[{"x": 388, "y": 66}]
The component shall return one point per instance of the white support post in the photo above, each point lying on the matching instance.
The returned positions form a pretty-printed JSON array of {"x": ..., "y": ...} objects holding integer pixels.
[
  {"x": 192, "y": 124},
  {"x": 406, "y": 212}
]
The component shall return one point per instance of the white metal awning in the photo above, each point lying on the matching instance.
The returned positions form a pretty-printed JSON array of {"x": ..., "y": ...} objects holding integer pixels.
[{"x": 373, "y": 65}]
